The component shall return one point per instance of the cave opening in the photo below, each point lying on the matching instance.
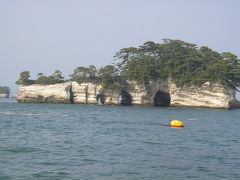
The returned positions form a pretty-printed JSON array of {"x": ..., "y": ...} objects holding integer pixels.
[
  {"x": 100, "y": 99},
  {"x": 162, "y": 99},
  {"x": 70, "y": 95},
  {"x": 125, "y": 98}
]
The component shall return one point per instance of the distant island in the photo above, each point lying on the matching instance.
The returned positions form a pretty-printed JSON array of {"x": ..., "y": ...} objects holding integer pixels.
[
  {"x": 4, "y": 91},
  {"x": 153, "y": 69}
]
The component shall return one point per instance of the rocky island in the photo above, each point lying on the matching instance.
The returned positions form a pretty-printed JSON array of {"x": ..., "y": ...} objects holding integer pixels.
[
  {"x": 174, "y": 73},
  {"x": 4, "y": 92},
  {"x": 159, "y": 94}
]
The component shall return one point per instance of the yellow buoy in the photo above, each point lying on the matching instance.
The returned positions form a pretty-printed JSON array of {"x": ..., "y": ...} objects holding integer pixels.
[{"x": 176, "y": 124}]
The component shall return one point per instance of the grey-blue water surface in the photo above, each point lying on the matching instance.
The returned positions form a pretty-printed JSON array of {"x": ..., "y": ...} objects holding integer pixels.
[{"x": 64, "y": 141}]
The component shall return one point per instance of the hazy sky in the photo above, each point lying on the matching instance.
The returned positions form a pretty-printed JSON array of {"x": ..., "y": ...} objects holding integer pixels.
[{"x": 45, "y": 35}]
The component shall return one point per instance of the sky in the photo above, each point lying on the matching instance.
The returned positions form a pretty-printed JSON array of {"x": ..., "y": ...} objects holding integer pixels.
[{"x": 47, "y": 35}]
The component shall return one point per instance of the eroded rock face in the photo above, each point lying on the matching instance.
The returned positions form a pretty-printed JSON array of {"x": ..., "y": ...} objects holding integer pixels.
[
  {"x": 157, "y": 93},
  {"x": 142, "y": 95},
  {"x": 133, "y": 95},
  {"x": 92, "y": 93},
  {"x": 209, "y": 95},
  {"x": 57, "y": 93}
]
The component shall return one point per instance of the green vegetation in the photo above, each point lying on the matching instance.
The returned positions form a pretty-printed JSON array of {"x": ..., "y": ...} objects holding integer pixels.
[
  {"x": 5, "y": 90},
  {"x": 184, "y": 63},
  {"x": 55, "y": 78},
  {"x": 24, "y": 78},
  {"x": 42, "y": 79},
  {"x": 84, "y": 74},
  {"x": 107, "y": 76}
]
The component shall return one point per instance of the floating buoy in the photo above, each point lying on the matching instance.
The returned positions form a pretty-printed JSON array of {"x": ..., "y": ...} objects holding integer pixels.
[{"x": 176, "y": 124}]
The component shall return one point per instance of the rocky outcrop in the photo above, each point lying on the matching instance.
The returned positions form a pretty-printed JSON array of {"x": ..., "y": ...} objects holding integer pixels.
[
  {"x": 163, "y": 93},
  {"x": 158, "y": 93},
  {"x": 90, "y": 93},
  {"x": 209, "y": 95},
  {"x": 57, "y": 93},
  {"x": 145, "y": 95},
  {"x": 134, "y": 94}
]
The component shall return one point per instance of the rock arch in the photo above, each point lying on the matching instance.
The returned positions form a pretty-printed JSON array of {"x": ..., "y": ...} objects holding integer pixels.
[
  {"x": 125, "y": 98},
  {"x": 100, "y": 98},
  {"x": 71, "y": 95},
  {"x": 162, "y": 98}
]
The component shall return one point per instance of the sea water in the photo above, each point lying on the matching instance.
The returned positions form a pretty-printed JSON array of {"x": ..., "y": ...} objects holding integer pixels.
[{"x": 90, "y": 142}]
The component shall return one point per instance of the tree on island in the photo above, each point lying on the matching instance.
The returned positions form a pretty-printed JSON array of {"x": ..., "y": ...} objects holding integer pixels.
[
  {"x": 84, "y": 74},
  {"x": 183, "y": 62},
  {"x": 42, "y": 79},
  {"x": 55, "y": 78},
  {"x": 108, "y": 77},
  {"x": 24, "y": 78}
]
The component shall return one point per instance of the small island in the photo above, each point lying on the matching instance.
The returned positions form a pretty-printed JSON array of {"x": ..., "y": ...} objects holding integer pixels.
[
  {"x": 4, "y": 92},
  {"x": 171, "y": 73}
]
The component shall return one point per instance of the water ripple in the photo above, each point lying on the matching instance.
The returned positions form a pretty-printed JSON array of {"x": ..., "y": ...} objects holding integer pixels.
[{"x": 56, "y": 141}]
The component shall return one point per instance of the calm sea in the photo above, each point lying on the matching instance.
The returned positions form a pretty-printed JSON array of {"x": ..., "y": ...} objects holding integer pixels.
[{"x": 90, "y": 142}]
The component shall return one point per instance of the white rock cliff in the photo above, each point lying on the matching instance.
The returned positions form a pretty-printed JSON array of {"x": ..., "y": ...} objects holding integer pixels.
[
  {"x": 156, "y": 93},
  {"x": 57, "y": 93},
  {"x": 88, "y": 93},
  {"x": 209, "y": 95}
]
